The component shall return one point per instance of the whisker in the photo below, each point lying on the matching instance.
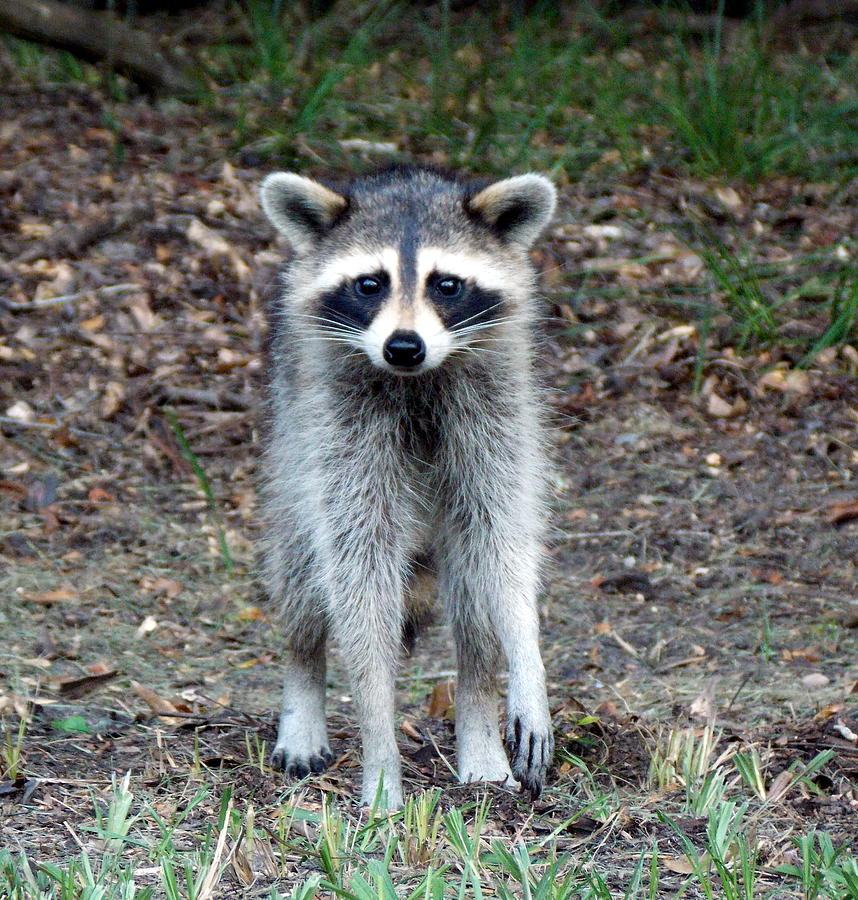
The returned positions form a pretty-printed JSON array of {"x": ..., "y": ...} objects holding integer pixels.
[
  {"x": 337, "y": 332},
  {"x": 482, "y": 326},
  {"x": 482, "y": 312},
  {"x": 345, "y": 325},
  {"x": 471, "y": 348},
  {"x": 348, "y": 342}
]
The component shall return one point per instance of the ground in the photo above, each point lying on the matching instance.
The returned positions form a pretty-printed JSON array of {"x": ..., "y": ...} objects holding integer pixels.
[{"x": 702, "y": 561}]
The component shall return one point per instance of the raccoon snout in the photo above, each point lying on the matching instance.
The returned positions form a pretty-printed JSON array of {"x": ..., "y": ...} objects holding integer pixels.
[{"x": 404, "y": 349}]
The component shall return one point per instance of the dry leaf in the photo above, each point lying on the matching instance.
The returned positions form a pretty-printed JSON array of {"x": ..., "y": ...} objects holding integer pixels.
[
  {"x": 256, "y": 661},
  {"x": 845, "y": 511},
  {"x": 410, "y": 731},
  {"x": 793, "y": 380},
  {"x": 147, "y": 626},
  {"x": 845, "y": 732},
  {"x": 441, "y": 702},
  {"x": 156, "y": 703},
  {"x": 142, "y": 312},
  {"x": 217, "y": 247},
  {"x": 162, "y": 586},
  {"x": 114, "y": 393},
  {"x": 811, "y": 654},
  {"x": 779, "y": 786},
  {"x": 96, "y": 323},
  {"x": 682, "y": 865},
  {"x": 241, "y": 865},
  {"x": 60, "y": 595},
  {"x": 251, "y": 614},
  {"x": 717, "y": 406},
  {"x": 797, "y": 381},
  {"x": 21, "y": 411},
  {"x": 78, "y": 687},
  {"x": 828, "y": 712},
  {"x": 729, "y": 197},
  {"x": 703, "y": 708}
]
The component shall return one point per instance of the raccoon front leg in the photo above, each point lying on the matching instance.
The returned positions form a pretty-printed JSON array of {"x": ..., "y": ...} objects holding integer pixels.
[
  {"x": 529, "y": 733},
  {"x": 302, "y": 738},
  {"x": 366, "y": 619},
  {"x": 480, "y": 753},
  {"x": 492, "y": 588}
]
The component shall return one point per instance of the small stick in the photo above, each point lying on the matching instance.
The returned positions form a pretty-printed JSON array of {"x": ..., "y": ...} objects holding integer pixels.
[{"x": 67, "y": 298}]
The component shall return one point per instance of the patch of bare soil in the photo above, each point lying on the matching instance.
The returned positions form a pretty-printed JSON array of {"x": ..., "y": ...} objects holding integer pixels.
[{"x": 703, "y": 561}]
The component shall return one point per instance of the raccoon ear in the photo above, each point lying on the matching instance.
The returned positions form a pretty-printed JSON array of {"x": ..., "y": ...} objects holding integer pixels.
[
  {"x": 516, "y": 208},
  {"x": 301, "y": 209}
]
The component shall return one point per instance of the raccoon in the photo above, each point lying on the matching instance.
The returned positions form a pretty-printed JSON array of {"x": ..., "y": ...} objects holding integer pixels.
[{"x": 406, "y": 443}]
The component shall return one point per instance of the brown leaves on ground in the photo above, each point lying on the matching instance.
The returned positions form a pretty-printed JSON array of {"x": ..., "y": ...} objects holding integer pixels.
[{"x": 702, "y": 536}]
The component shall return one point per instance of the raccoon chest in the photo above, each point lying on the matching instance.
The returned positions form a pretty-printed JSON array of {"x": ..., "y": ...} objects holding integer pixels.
[{"x": 419, "y": 436}]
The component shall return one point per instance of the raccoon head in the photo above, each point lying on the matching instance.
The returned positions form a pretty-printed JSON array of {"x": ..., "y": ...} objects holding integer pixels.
[{"x": 409, "y": 266}]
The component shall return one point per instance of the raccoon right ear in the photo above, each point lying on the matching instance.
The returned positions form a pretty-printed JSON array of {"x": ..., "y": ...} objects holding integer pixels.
[
  {"x": 517, "y": 208},
  {"x": 301, "y": 209}
]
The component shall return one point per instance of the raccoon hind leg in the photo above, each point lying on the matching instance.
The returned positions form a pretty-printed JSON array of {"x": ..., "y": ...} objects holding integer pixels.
[{"x": 420, "y": 594}]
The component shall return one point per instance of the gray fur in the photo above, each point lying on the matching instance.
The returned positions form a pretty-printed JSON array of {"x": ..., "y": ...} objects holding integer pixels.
[{"x": 374, "y": 473}]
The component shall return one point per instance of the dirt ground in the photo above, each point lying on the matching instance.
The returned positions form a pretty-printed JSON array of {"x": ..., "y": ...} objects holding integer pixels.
[{"x": 703, "y": 560}]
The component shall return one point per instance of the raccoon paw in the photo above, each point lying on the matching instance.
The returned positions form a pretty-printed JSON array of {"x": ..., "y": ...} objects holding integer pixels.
[
  {"x": 295, "y": 766},
  {"x": 530, "y": 750}
]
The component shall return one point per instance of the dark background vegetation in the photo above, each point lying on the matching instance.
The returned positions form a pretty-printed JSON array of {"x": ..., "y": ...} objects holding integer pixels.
[{"x": 700, "y": 292}]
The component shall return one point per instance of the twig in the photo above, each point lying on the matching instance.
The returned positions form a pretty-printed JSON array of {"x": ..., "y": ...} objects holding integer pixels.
[
  {"x": 218, "y": 399},
  {"x": 625, "y": 645},
  {"x": 436, "y": 676},
  {"x": 441, "y": 756},
  {"x": 67, "y": 298},
  {"x": 8, "y": 420}
]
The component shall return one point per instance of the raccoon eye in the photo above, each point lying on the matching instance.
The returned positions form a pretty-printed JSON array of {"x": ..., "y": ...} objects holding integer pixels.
[
  {"x": 367, "y": 286},
  {"x": 449, "y": 286}
]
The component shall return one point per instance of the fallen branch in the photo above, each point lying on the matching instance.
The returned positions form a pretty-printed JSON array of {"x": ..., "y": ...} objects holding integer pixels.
[
  {"x": 96, "y": 37},
  {"x": 71, "y": 240}
]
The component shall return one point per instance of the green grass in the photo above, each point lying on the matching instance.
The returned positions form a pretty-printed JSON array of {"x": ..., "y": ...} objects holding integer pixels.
[
  {"x": 562, "y": 92},
  {"x": 758, "y": 305},
  {"x": 12, "y": 748},
  {"x": 419, "y": 852},
  {"x": 573, "y": 92},
  {"x": 206, "y": 488}
]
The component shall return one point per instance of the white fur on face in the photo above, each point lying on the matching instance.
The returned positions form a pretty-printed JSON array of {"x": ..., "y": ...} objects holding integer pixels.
[
  {"x": 417, "y": 316},
  {"x": 415, "y": 313},
  {"x": 489, "y": 272},
  {"x": 353, "y": 265}
]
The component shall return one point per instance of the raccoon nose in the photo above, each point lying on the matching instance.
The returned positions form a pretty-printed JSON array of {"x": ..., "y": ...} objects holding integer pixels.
[{"x": 404, "y": 349}]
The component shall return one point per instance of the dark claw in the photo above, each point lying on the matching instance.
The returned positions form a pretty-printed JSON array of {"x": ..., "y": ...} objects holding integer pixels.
[
  {"x": 530, "y": 754},
  {"x": 299, "y": 767}
]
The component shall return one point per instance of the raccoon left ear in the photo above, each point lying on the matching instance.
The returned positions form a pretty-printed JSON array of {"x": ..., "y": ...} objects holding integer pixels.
[
  {"x": 301, "y": 209},
  {"x": 516, "y": 208}
]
